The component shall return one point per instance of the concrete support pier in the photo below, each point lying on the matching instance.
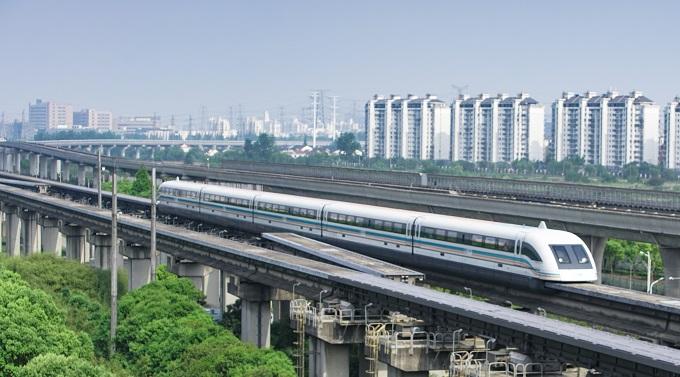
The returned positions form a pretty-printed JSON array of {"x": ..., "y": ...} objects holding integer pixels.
[
  {"x": 43, "y": 167},
  {"x": 66, "y": 171},
  {"x": 34, "y": 165},
  {"x": 256, "y": 314},
  {"x": 51, "y": 238},
  {"x": 31, "y": 232},
  {"x": 102, "y": 251},
  {"x": 54, "y": 169},
  {"x": 206, "y": 279},
  {"x": 13, "y": 240},
  {"x": 75, "y": 242},
  {"x": 596, "y": 246},
  {"x": 82, "y": 169},
  {"x": 138, "y": 264},
  {"x": 17, "y": 162},
  {"x": 328, "y": 360},
  {"x": 671, "y": 268}
]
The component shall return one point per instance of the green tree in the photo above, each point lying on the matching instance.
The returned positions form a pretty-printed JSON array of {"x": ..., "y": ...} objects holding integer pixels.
[
  {"x": 52, "y": 365},
  {"x": 32, "y": 324},
  {"x": 141, "y": 186},
  {"x": 264, "y": 147},
  {"x": 347, "y": 144},
  {"x": 225, "y": 356},
  {"x": 194, "y": 155}
]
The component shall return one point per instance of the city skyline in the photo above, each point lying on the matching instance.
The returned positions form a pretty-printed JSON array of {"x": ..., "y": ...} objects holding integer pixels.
[{"x": 270, "y": 55}]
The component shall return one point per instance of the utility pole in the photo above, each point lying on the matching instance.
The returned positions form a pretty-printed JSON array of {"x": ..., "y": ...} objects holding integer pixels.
[
  {"x": 172, "y": 121},
  {"x": 281, "y": 115},
  {"x": 114, "y": 258},
  {"x": 202, "y": 126},
  {"x": 190, "y": 126},
  {"x": 241, "y": 126},
  {"x": 315, "y": 97},
  {"x": 152, "y": 243},
  {"x": 334, "y": 108},
  {"x": 99, "y": 177}
]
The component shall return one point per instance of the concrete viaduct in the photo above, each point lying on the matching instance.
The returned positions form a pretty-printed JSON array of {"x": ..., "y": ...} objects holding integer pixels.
[
  {"x": 259, "y": 276},
  {"x": 594, "y": 225}
]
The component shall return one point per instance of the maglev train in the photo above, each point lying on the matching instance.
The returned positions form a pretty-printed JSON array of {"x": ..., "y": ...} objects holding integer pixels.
[{"x": 513, "y": 254}]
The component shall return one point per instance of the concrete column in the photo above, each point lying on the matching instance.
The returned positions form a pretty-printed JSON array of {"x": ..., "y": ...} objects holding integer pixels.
[
  {"x": 328, "y": 360},
  {"x": 52, "y": 240},
  {"x": 596, "y": 246},
  {"x": 226, "y": 298},
  {"x": 671, "y": 268},
  {"x": 17, "y": 162},
  {"x": 138, "y": 265},
  {"x": 13, "y": 240},
  {"x": 34, "y": 164},
  {"x": 2, "y": 159},
  {"x": 205, "y": 279},
  {"x": 102, "y": 250},
  {"x": 256, "y": 314},
  {"x": 66, "y": 171},
  {"x": 82, "y": 169},
  {"x": 42, "y": 167},
  {"x": 107, "y": 151},
  {"x": 75, "y": 242},
  {"x": 31, "y": 232},
  {"x": 9, "y": 161},
  {"x": 54, "y": 169}
]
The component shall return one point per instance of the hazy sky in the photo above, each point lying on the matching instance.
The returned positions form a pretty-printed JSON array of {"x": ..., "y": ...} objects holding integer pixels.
[{"x": 172, "y": 57}]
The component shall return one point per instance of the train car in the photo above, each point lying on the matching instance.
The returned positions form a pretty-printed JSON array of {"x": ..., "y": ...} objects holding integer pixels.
[{"x": 519, "y": 255}]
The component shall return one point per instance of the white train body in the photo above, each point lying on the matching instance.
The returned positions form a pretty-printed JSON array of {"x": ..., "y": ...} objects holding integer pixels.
[{"x": 438, "y": 240}]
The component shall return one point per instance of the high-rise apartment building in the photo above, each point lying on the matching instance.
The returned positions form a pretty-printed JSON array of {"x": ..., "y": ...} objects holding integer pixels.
[
  {"x": 93, "y": 119},
  {"x": 494, "y": 129},
  {"x": 411, "y": 127},
  {"x": 49, "y": 115},
  {"x": 671, "y": 135},
  {"x": 609, "y": 129}
]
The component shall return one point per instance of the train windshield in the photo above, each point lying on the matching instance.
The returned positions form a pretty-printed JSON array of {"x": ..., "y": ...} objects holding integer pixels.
[{"x": 571, "y": 256}]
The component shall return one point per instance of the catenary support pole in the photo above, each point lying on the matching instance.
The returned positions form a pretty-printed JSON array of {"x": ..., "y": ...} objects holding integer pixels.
[
  {"x": 152, "y": 241},
  {"x": 114, "y": 259},
  {"x": 99, "y": 178}
]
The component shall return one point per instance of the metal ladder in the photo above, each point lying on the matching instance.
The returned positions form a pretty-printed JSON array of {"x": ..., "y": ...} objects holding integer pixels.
[
  {"x": 372, "y": 342},
  {"x": 298, "y": 311}
]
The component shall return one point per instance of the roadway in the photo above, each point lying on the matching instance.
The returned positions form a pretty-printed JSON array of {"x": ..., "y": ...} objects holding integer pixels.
[{"x": 609, "y": 353}]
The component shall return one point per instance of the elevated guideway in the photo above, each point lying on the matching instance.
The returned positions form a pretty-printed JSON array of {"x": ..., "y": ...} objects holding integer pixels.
[
  {"x": 651, "y": 316},
  {"x": 609, "y": 353},
  {"x": 345, "y": 258}
]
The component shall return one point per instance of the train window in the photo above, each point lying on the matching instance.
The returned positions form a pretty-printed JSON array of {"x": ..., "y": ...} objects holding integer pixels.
[
  {"x": 452, "y": 236},
  {"x": 342, "y": 218},
  {"x": 440, "y": 234},
  {"x": 399, "y": 228},
  {"x": 580, "y": 253},
  {"x": 505, "y": 245},
  {"x": 463, "y": 238},
  {"x": 561, "y": 254},
  {"x": 360, "y": 221},
  {"x": 333, "y": 216},
  {"x": 528, "y": 250},
  {"x": 377, "y": 224},
  {"x": 490, "y": 242},
  {"x": 350, "y": 220},
  {"x": 426, "y": 232},
  {"x": 477, "y": 240}
]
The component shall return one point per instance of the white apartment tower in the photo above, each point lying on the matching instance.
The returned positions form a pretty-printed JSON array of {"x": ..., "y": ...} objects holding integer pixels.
[
  {"x": 49, "y": 115},
  {"x": 495, "y": 129},
  {"x": 410, "y": 127},
  {"x": 94, "y": 119},
  {"x": 671, "y": 134},
  {"x": 609, "y": 129}
]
